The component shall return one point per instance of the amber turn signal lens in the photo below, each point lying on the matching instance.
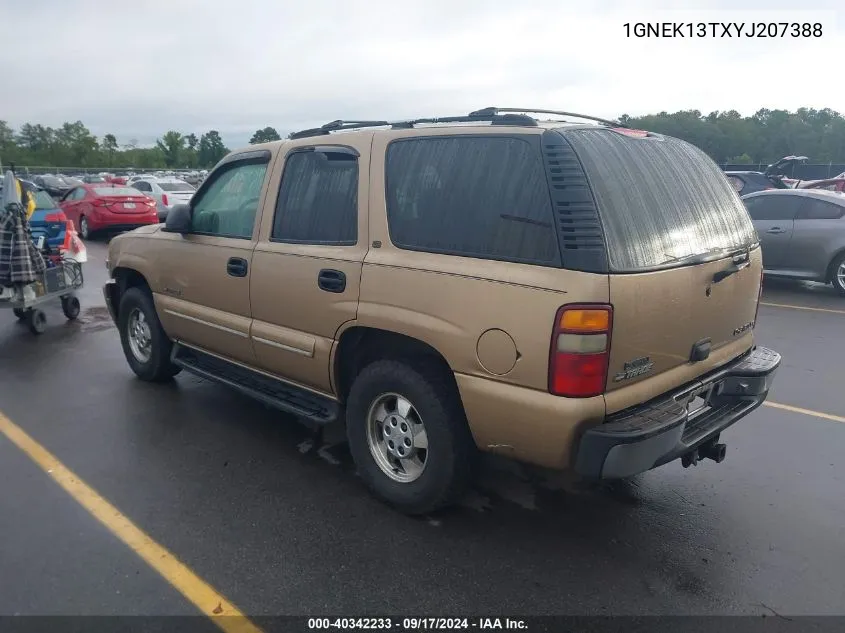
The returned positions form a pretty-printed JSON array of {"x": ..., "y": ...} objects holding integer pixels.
[{"x": 585, "y": 320}]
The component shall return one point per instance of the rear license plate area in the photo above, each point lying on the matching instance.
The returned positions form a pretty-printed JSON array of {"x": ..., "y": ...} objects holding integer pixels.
[{"x": 128, "y": 205}]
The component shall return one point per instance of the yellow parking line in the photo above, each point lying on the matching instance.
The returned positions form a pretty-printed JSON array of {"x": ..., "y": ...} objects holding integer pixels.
[
  {"x": 816, "y": 414},
  {"x": 207, "y": 599},
  {"x": 787, "y": 305}
]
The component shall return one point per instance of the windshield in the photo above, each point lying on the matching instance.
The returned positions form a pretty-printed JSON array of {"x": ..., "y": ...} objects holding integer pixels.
[
  {"x": 112, "y": 192},
  {"x": 182, "y": 187},
  {"x": 661, "y": 200}
]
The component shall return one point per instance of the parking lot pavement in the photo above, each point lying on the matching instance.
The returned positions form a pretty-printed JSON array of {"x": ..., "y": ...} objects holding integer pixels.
[
  {"x": 279, "y": 523},
  {"x": 57, "y": 560}
]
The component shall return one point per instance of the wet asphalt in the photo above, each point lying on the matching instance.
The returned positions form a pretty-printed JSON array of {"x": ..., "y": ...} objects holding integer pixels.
[{"x": 278, "y": 522}]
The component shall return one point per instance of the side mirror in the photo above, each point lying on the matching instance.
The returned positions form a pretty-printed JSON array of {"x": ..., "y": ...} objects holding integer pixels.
[{"x": 178, "y": 219}]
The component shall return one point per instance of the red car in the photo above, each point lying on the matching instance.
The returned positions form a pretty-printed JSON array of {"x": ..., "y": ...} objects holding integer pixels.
[{"x": 106, "y": 207}]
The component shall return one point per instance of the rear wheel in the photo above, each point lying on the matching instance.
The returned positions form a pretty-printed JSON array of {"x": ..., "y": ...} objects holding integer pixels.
[
  {"x": 838, "y": 274},
  {"x": 84, "y": 229},
  {"x": 145, "y": 345},
  {"x": 408, "y": 435}
]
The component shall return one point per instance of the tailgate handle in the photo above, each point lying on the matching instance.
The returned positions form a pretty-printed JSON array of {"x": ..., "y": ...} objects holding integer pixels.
[
  {"x": 730, "y": 270},
  {"x": 700, "y": 351}
]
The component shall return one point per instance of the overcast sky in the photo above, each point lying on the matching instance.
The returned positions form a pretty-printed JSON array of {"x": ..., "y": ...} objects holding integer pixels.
[{"x": 137, "y": 69}]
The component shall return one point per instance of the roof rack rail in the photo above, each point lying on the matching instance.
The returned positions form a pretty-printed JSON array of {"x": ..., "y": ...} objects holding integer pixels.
[
  {"x": 492, "y": 111},
  {"x": 506, "y": 118}
]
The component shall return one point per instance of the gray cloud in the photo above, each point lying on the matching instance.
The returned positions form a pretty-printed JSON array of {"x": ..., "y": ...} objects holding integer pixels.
[{"x": 137, "y": 69}]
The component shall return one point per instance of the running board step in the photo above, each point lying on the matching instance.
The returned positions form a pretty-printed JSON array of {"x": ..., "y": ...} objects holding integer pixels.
[{"x": 275, "y": 393}]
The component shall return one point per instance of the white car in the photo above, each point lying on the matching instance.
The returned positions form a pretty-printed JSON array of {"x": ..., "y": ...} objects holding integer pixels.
[{"x": 167, "y": 192}]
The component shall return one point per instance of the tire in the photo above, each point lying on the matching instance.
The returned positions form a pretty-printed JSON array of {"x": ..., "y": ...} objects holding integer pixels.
[
  {"x": 71, "y": 307},
  {"x": 837, "y": 274},
  {"x": 84, "y": 229},
  {"x": 447, "y": 464},
  {"x": 136, "y": 305},
  {"x": 37, "y": 321},
  {"x": 21, "y": 314}
]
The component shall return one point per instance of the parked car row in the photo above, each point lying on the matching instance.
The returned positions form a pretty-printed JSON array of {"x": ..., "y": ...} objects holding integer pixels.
[{"x": 802, "y": 232}]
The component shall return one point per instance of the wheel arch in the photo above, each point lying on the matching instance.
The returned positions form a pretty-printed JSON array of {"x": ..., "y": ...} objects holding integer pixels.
[
  {"x": 126, "y": 278},
  {"x": 359, "y": 346},
  {"x": 830, "y": 266}
]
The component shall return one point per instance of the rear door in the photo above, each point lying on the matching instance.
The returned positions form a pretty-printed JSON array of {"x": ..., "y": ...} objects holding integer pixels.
[
  {"x": 307, "y": 265},
  {"x": 818, "y": 233},
  {"x": 673, "y": 226},
  {"x": 774, "y": 215}
]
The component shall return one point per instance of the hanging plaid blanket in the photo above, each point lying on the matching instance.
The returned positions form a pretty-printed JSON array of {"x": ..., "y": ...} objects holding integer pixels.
[{"x": 20, "y": 260}]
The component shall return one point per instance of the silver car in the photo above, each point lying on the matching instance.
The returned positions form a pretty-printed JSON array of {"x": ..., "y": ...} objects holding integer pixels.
[
  {"x": 167, "y": 192},
  {"x": 802, "y": 232}
]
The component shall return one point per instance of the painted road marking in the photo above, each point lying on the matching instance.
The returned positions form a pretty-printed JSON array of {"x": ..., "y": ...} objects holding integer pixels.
[
  {"x": 816, "y": 414},
  {"x": 207, "y": 599},
  {"x": 787, "y": 305}
]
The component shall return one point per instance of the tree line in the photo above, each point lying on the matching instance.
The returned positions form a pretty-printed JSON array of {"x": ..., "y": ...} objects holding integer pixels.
[{"x": 728, "y": 137}]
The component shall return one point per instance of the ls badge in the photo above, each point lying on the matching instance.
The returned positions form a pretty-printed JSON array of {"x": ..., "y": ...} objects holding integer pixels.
[{"x": 634, "y": 368}]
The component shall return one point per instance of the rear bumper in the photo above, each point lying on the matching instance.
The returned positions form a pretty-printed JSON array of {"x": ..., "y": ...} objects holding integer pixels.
[{"x": 646, "y": 436}]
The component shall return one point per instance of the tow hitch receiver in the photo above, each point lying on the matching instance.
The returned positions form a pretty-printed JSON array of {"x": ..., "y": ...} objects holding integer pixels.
[{"x": 712, "y": 450}]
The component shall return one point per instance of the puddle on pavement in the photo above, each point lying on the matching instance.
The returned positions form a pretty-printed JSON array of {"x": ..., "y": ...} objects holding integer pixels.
[{"x": 95, "y": 319}]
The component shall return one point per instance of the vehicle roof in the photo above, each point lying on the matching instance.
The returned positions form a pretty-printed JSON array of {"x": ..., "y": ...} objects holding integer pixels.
[{"x": 822, "y": 194}]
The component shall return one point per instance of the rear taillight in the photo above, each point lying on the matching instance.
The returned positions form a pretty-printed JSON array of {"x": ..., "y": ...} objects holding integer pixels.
[
  {"x": 55, "y": 217},
  {"x": 99, "y": 202},
  {"x": 164, "y": 199},
  {"x": 580, "y": 348},
  {"x": 149, "y": 202}
]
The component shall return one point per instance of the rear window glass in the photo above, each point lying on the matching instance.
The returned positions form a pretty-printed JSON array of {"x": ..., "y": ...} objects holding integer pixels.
[
  {"x": 43, "y": 200},
  {"x": 176, "y": 186},
  {"x": 482, "y": 197},
  {"x": 660, "y": 200},
  {"x": 116, "y": 191}
]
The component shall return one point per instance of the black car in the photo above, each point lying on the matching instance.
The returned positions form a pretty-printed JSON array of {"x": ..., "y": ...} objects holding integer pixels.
[
  {"x": 745, "y": 182},
  {"x": 55, "y": 186}
]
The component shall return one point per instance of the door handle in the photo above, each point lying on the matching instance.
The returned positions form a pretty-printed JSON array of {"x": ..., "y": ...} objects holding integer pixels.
[
  {"x": 776, "y": 230},
  {"x": 331, "y": 280},
  {"x": 237, "y": 267}
]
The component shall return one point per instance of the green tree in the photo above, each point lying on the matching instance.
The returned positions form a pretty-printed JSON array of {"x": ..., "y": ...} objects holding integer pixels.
[
  {"x": 109, "y": 147},
  {"x": 264, "y": 135},
  {"x": 171, "y": 146},
  {"x": 191, "y": 142},
  {"x": 211, "y": 149}
]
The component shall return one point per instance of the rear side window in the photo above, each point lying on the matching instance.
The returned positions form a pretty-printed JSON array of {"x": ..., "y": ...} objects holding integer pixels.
[
  {"x": 484, "y": 197},
  {"x": 660, "y": 200},
  {"x": 815, "y": 209},
  {"x": 318, "y": 199},
  {"x": 773, "y": 207}
]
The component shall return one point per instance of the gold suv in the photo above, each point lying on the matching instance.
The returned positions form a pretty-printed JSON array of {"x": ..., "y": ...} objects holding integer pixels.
[{"x": 574, "y": 295}]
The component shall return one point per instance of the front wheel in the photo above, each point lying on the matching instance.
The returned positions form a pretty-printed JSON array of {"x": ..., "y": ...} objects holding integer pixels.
[
  {"x": 145, "y": 345},
  {"x": 838, "y": 274},
  {"x": 408, "y": 435},
  {"x": 71, "y": 307}
]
